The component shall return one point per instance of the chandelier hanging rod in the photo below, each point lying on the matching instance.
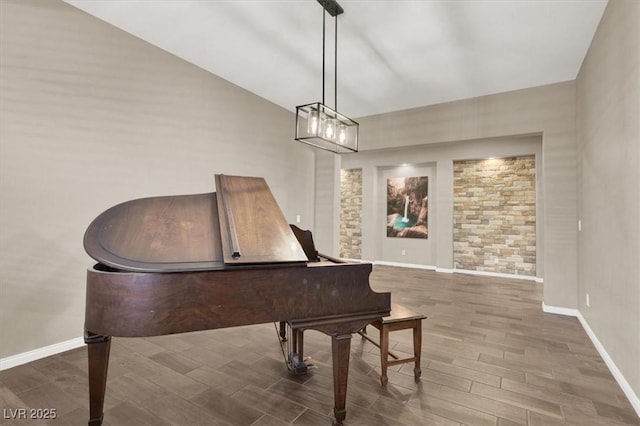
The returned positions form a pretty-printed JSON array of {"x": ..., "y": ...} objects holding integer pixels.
[{"x": 334, "y": 9}]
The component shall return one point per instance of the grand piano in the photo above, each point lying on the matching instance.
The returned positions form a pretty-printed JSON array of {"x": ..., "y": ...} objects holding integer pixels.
[{"x": 228, "y": 258}]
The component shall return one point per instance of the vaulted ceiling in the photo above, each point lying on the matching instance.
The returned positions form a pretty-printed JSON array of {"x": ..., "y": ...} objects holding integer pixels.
[{"x": 392, "y": 54}]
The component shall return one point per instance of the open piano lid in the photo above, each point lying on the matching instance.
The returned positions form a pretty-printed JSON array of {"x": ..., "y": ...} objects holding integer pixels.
[{"x": 239, "y": 225}]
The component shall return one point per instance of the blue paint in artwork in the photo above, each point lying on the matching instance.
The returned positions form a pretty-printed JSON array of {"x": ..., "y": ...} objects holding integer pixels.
[{"x": 402, "y": 223}]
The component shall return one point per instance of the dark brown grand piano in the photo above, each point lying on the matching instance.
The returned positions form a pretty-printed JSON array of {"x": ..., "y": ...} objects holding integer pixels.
[{"x": 223, "y": 259}]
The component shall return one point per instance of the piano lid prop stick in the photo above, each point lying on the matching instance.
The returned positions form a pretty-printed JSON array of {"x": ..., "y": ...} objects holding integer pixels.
[{"x": 231, "y": 225}]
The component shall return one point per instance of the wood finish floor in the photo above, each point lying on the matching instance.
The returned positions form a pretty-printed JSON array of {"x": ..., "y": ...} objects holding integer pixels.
[{"x": 490, "y": 356}]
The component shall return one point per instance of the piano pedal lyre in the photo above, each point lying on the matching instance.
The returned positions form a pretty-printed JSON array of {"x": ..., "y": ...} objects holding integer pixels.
[
  {"x": 295, "y": 365},
  {"x": 291, "y": 359},
  {"x": 310, "y": 365}
]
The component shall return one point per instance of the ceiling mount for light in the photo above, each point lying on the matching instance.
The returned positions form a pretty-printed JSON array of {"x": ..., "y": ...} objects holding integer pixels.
[{"x": 316, "y": 123}]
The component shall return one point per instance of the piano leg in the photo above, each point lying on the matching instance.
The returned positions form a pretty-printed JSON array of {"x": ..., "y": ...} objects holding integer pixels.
[
  {"x": 297, "y": 342},
  {"x": 98, "y": 348},
  {"x": 299, "y": 348},
  {"x": 283, "y": 331},
  {"x": 340, "y": 346}
]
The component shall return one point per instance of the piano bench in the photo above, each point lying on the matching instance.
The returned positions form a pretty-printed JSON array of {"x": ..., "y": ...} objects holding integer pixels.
[{"x": 400, "y": 318}]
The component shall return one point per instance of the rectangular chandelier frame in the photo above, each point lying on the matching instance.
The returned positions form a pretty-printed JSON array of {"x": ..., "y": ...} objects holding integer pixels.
[{"x": 325, "y": 128}]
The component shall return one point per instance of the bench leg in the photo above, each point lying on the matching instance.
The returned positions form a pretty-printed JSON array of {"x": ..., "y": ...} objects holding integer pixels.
[
  {"x": 384, "y": 354},
  {"x": 417, "y": 348}
]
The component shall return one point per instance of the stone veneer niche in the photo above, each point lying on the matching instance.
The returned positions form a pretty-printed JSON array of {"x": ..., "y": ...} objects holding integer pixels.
[
  {"x": 351, "y": 213},
  {"x": 494, "y": 217}
]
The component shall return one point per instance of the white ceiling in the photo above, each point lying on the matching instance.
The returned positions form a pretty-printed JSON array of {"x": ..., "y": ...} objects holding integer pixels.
[{"x": 392, "y": 54}]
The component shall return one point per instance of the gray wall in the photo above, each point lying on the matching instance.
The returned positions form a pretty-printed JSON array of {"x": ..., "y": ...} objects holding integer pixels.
[
  {"x": 436, "y": 162},
  {"x": 547, "y": 110},
  {"x": 608, "y": 92},
  {"x": 90, "y": 117}
]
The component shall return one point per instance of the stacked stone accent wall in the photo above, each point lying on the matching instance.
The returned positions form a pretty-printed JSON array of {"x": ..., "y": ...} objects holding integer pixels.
[
  {"x": 494, "y": 218},
  {"x": 351, "y": 213}
]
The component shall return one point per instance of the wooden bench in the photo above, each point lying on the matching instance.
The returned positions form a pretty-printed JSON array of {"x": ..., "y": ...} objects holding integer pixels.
[{"x": 400, "y": 318}]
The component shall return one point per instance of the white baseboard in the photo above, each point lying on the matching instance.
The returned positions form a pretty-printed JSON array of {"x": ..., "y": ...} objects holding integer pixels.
[
  {"x": 626, "y": 388},
  {"x": 499, "y": 275},
  {"x": 560, "y": 311},
  {"x": 25, "y": 357},
  {"x": 458, "y": 271},
  {"x": 404, "y": 265},
  {"x": 348, "y": 259}
]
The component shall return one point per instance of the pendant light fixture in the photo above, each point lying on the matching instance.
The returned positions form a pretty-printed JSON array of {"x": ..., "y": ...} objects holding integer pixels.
[{"x": 316, "y": 123}]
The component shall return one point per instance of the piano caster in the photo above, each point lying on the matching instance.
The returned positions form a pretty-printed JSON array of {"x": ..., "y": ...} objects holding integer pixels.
[
  {"x": 96, "y": 422},
  {"x": 339, "y": 416}
]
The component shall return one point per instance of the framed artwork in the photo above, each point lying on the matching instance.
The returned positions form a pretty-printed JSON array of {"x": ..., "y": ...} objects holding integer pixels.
[{"x": 407, "y": 207}]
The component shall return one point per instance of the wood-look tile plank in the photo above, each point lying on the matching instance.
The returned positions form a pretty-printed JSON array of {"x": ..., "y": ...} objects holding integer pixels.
[
  {"x": 616, "y": 414},
  {"x": 57, "y": 369},
  {"x": 486, "y": 405},
  {"x": 519, "y": 400},
  {"x": 569, "y": 374},
  {"x": 319, "y": 400},
  {"x": 396, "y": 409},
  {"x": 538, "y": 419},
  {"x": 171, "y": 343},
  {"x": 272, "y": 404},
  {"x": 467, "y": 373},
  {"x": 132, "y": 388},
  {"x": 178, "y": 411},
  {"x": 516, "y": 365},
  {"x": 21, "y": 379},
  {"x": 218, "y": 380},
  {"x": 491, "y": 369},
  {"x": 429, "y": 418},
  {"x": 48, "y": 396},
  {"x": 124, "y": 361},
  {"x": 549, "y": 395},
  {"x": 9, "y": 401},
  {"x": 177, "y": 362},
  {"x": 245, "y": 373},
  {"x": 573, "y": 389},
  {"x": 126, "y": 414},
  {"x": 505, "y": 422},
  {"x": 453, "y": 411},
  {"x": 139, "y": 345},
  {"x": 365, "y": 395},
  {"x": 226, "y": 409},
  {"x": 177, "y": 383},
  {"x": 268, "y": 420},
  {"x": 312, "y": 418},
  {"x": 205, "y": 356},
  {"x": 77, "y": 417},
  {"x": 361, "y": 416}
]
